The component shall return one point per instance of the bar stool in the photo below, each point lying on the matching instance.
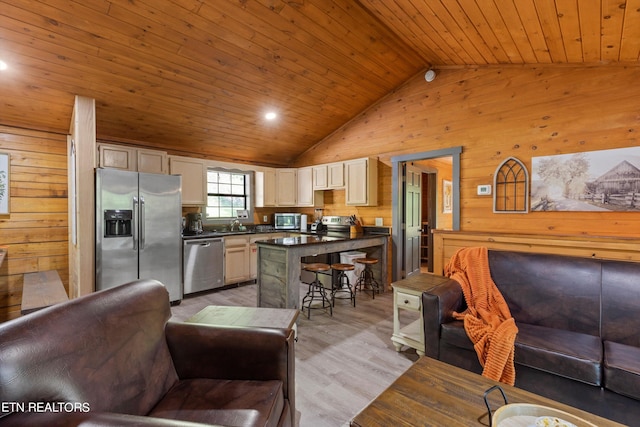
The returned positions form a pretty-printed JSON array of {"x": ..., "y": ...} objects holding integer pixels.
[
  {"x": 316, "y": 291},
  {"x": 367, "y": 281},
  {"x": 341, "y": 285}
]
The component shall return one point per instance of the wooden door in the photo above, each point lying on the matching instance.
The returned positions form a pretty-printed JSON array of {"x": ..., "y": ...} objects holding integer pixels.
[{"x": 413, "y": 219}]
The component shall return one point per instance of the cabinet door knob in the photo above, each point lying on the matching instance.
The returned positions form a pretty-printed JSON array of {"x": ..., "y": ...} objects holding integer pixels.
[{"x": 406, "y": 301}]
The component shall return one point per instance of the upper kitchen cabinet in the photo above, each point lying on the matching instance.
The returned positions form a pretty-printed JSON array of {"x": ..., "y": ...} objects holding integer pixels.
[
  {"x": 152, "y": 161},
  {"x": 286, "y": 187},
  {"x": 117, "y": 157},
  {"x": 361, "y": 182},
  {"x": 306, "y": 194},
  {"x": 132, "y": 159},
  {"x": 335, "y": 175},
  {"x": 265, "y": 181},
  {"x": 329, "y": 176},
  {"x": 193, "y": 173},
  {"x": 320, "y": 178}
]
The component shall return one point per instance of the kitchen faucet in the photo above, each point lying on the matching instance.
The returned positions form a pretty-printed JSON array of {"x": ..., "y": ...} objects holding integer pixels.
[{"x": 235, "y": 223}]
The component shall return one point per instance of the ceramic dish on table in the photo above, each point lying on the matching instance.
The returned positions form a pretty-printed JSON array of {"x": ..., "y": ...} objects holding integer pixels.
[{"x": 530, "y": 415}]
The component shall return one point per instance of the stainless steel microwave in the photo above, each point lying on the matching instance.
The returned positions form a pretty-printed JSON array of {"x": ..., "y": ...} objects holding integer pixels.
[{"x": 287, "y": 221}]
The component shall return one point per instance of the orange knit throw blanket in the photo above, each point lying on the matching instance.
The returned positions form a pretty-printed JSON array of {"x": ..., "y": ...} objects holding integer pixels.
[{"x": 487, "y": 319}]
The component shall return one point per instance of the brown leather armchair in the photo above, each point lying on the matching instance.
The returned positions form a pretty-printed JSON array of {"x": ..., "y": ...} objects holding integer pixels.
[{"x": 112, "y": 358}]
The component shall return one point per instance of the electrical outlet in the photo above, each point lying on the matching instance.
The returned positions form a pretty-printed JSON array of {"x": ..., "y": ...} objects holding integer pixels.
[{"x": 265, "y": 219}]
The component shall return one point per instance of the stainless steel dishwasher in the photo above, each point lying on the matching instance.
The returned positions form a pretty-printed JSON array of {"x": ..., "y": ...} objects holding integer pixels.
[{"x": 203, "y": 264}]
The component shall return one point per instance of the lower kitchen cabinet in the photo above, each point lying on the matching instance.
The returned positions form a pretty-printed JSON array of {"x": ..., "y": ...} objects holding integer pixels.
[
  {"x": 236, "y": 259},
  {"x": 241, "y": 256}
]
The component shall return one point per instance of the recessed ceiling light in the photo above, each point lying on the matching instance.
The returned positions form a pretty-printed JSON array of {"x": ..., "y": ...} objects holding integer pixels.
[
  {"x": 3, "y": 65},
  {"x": 270, "y": 115}
]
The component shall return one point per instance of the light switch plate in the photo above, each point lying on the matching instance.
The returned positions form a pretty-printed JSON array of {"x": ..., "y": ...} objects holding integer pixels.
[
  {"x": 265, "y": 219},
  {"x": 484, "y": 190}
]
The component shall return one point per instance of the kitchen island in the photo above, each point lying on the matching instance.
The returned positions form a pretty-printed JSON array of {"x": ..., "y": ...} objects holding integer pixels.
[{"x": 279, "y": 262}]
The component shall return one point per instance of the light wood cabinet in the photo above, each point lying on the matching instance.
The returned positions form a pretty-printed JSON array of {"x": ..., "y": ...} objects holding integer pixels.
[
  {"x": 269, "y": 188},
  {"x": 117, "y": 157},
  {"x": 152, "y": 161},
  {"x": 237, "y": 257},
  {"x": 236, "y": 265},
  {"x": 320, "y": 177},
  {"x": 287, "y": 186},
  {"x": 306, "y": 194},
  {"x": 132, "y": 159},
  {"x": 335, "y": 175},
  {"x": 329, "y": 176},
  {"x": 194, "y": 176},
  {"x": 361, "y": 182}
]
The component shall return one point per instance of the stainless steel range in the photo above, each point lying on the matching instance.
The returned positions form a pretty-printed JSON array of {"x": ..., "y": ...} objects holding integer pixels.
[{"x": 338, "y": 223}]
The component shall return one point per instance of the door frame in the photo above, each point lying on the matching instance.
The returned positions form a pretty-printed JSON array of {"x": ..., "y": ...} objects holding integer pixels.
[{"x": 397, "y": 199}]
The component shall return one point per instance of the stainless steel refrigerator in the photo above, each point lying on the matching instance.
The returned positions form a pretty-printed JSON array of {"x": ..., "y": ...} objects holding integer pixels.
[{"x": 138, "y": 229}]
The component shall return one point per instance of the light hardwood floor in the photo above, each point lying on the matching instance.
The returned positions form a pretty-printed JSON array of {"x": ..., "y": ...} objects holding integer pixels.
[{"x": 342, "y": 362}]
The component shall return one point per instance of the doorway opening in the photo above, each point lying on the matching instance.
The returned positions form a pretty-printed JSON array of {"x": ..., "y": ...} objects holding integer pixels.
[{"x": 425, "y": 196}]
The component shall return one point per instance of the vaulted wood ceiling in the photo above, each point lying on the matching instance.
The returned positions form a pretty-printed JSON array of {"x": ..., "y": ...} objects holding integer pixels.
[{"x": 196, "y": 76}]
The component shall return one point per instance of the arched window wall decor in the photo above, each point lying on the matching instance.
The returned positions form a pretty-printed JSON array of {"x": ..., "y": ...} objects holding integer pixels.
[{"x": 511, "y": 187}]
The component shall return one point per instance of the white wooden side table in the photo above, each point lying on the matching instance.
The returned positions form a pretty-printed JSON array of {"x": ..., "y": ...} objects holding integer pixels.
[{"x": 407, "y": 295}]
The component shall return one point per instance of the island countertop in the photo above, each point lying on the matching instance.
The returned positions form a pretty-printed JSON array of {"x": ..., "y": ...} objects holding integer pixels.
[
  {"x": 279, "y": 262},
  {"x": 315, "y": 239}
]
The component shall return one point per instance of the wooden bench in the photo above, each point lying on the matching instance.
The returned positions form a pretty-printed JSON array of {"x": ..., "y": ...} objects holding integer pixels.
[{"x": 42, "y": 289}]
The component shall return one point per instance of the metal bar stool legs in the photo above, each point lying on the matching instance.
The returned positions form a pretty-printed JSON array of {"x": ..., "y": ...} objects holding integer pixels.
[
  {"x": 367, "y": 282},
  {"x": 316, "y": 291},
  {"x": 342, "y": 286}
]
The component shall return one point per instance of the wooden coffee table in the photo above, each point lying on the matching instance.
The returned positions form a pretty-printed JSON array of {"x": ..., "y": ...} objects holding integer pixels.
[
  {"x": 258, "y": 317},
  {"x": 433, "y": 393}
]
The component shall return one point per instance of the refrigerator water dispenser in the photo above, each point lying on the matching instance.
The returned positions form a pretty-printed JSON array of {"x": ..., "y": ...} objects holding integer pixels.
[{"x": 117, "y": 223}]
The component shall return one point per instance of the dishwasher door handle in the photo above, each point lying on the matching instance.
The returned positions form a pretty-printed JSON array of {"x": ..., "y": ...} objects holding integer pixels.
[{"x": 205, "y": 245}]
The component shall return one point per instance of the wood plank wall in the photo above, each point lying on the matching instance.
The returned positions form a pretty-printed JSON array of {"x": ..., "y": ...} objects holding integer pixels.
[
  {"x": 447, "y": 243},
  {"x": 495, "y": 113},
  {"x": 36, "y": 228}
]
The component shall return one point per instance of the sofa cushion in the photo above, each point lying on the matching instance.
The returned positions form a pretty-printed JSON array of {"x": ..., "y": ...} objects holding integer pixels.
[
  {"x": 538, "y": 286},
  {"x": 565, "y": 353},
  {"x": 568, "y": 354},
  {"x": 620, "y": 296},
  {"x": 622, "y": 369},
  {"x": 223, "y": 402}
]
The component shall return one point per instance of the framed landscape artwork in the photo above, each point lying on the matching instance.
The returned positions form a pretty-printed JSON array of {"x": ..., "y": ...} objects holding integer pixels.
[
  {"x": 4, "y": 183},
  {"x": 606, "y": 180}
]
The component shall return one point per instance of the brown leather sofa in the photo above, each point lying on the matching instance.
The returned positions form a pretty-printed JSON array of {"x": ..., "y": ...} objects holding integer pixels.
[
  {"x": 111, "y": 358},
  {"x": 579, "y": 329}
]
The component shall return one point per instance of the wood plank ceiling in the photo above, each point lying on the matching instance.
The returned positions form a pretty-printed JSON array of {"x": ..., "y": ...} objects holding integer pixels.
[{"x": 196, "y": 76}]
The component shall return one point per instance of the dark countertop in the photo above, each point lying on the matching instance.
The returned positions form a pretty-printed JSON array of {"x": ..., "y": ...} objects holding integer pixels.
[
  {"x": 312, "y": 239},
  {"x": 303, "y": 238},
  {"x": 213, "y": 234}
]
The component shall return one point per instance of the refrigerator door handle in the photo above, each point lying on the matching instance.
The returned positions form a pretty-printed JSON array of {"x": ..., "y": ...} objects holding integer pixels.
[
  {"x": 134, "y": 219},
  {"x": 142, "y": 222}
]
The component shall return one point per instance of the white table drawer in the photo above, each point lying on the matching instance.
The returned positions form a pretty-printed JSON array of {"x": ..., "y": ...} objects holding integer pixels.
[{"x": 408, "y": 301}]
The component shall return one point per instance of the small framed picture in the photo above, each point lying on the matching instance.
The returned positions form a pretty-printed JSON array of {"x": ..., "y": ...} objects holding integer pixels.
[
  {"x": 447, "y": 196},
  {"x": 4, "y": 183}
]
